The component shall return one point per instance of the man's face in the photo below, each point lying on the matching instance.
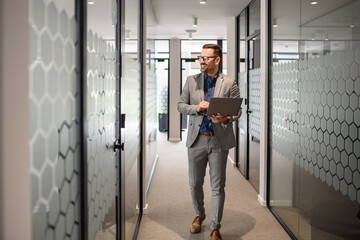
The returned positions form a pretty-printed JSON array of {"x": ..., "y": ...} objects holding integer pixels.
[{"x": 212, "y": 64}]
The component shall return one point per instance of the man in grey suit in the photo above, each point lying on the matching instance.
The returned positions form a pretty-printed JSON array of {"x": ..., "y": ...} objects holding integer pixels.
[{"x": 209, "y": 138}]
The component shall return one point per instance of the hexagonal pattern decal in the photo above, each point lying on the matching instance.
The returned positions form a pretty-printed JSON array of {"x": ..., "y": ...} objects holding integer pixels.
[
  {"x": 54, "y": 140},
  {"x": 163, "y": 100},
  {"x": 151, "y": 99},
  {"x": 131, "y": 108},
  {"x": 315, "y": 117},
  {"x": 101, "y": 109},
  {"x": 254, "y": 103}
]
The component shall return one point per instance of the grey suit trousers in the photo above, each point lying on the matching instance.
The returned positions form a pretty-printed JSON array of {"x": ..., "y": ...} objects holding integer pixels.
[{"x": 206, "y": 149}]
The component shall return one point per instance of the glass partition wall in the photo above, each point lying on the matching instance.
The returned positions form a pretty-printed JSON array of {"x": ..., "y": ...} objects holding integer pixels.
[
  {"x": 85, "y": 111},
  {"x": 162, "y": 53},
  {"x": 248, "y": 150},
  {"x": 54, "y": 99},
  {"x": 101, "y": 117},
  {"x": 314, "y": 98},
  {"x": 131, "y": 115}
]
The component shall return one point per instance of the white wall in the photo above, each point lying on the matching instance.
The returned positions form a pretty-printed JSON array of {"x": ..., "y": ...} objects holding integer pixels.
[
  {"x": 263, "y": 101},
  {"x": 174, "y": 90},
  {"x": 231, "y": 62},
  {"x": 15, "y": 200}
]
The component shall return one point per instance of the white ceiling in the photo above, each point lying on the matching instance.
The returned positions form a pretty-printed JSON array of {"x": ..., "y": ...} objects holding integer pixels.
[
  {"x": 176, "y": 16},
  {"x": 301, "y": 20}
]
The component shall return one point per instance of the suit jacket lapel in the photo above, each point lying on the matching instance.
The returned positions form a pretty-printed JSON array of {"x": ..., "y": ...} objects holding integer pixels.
[
  {"x": 200, "y": 82},
  {"x": 218, "y": 85}
]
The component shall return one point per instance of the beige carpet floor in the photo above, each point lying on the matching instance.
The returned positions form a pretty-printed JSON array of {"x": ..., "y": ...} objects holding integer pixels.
[{"x": 170, "y": 211}]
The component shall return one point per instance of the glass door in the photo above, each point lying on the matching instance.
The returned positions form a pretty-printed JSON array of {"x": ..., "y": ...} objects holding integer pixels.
[
  {"x": 253, "y": 111},
  {"x": 162, "y": 76},
  {"x": 101, "y": 118},
  {"x": 131, "y": 118},
  {"x": 241, "y": 162},
  {"x": 248, "y": 151}
]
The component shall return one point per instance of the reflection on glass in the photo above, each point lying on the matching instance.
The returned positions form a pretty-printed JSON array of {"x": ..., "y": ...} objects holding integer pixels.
[
  {"x": 54, "y": 120},
  {"x": 130, "y": 107},
  {"x": 101, "y": 108},
  {"x": 254, "y": 18},
  {"x": 254, "y": 111},
  {"x": 314, "y": 119},
  {"x": 243, "y": 93},
  {"x": 162, "y": 76}
]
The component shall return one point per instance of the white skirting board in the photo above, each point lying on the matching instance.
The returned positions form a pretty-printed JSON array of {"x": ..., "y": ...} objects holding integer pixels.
[
  {"x": 261, "y": 201},
  {"x": 145, "y": 209},
  {"x": 232, "y": 161}
]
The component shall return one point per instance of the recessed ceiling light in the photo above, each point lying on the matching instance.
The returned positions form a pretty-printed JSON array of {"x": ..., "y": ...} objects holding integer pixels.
[
  {"x": 91, "y": 2},
  {"x": 352, "y": 26},
  {"x": 313, "y": 2},
  {"x": 202, "y": 1},
  {"x": 275, "y": 25}
]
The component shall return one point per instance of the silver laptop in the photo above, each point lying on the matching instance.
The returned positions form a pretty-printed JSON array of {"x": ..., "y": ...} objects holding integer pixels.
[{"x": 224, "y": 105}]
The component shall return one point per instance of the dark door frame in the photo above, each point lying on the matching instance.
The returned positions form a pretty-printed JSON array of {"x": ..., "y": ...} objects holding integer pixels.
[
  {"x": 168, "y": 92},
  {"x": 248, "y": 38},
  {"x": 81, "y": 16}
]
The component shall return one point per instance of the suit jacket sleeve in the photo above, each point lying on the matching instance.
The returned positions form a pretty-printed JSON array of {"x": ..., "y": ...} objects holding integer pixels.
[
  {"x": 235, "y": 93},
  {"x": 184, "y": 104}
]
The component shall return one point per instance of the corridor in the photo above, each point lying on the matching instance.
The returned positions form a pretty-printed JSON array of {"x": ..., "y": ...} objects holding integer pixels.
[
  {"x": 170, "y": 211},
  {"x": 97, "y": 98}
]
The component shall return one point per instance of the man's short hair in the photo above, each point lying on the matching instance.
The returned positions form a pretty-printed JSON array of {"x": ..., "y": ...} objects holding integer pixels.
[{"x": 217, "y": 49}]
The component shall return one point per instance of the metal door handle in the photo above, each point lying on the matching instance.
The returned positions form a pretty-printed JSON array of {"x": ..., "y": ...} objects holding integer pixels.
[{"x": 118, "y": 145}]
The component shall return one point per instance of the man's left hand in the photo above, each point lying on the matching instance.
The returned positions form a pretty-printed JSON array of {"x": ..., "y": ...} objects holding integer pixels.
[{"x": 219, "y": 118}]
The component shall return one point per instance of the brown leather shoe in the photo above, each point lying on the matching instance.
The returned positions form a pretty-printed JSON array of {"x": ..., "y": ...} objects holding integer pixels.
[
  {"x": 196, "y": 224},
  {"x": 215, "y": 234}
]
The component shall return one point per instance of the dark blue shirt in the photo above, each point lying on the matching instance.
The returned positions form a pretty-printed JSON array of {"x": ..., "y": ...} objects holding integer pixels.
[{"x": 209, "y": 88}]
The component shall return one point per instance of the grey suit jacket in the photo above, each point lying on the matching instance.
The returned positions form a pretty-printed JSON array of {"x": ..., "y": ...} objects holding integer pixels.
[{"x": 193, "y": 94}]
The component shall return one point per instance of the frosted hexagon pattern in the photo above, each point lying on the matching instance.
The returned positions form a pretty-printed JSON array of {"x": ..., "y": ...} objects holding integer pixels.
[
  {"x": 163, "y": 100},
  {"x": 254, "y": 103},
  {"x": 315, "y": 112},
  {"x": 101, "y": 95},
  {"x": 151, "y": 102},
  {"x": 50, "y": 124},
  {"x": 131, "y": 107}
]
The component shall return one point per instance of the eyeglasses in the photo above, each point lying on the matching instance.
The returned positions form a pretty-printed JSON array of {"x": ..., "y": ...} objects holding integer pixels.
[{"x": 206, "y": 58}]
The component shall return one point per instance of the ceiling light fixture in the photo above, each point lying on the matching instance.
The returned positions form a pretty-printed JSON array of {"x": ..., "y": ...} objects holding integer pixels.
[
  {"x": 195, "y": 24},
  {"x": 352, "y": 25},
  {"x": 313, "y": 2},
  {"x": 202, "y": 1},
  {"x": 91, "y": 2},
  {"x": 190, "y": 32}
]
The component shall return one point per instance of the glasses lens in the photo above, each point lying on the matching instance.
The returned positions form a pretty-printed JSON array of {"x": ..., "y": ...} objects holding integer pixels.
[{"x": 205, "y": 58}]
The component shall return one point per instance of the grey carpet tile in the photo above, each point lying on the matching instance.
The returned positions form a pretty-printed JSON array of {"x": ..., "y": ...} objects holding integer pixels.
[{"x": 170, "y": 211}]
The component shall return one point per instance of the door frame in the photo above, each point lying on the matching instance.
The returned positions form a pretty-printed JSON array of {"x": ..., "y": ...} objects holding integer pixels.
[
  {"x": 248, "y": 38},
  {"x": 168, "y": 92}
]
